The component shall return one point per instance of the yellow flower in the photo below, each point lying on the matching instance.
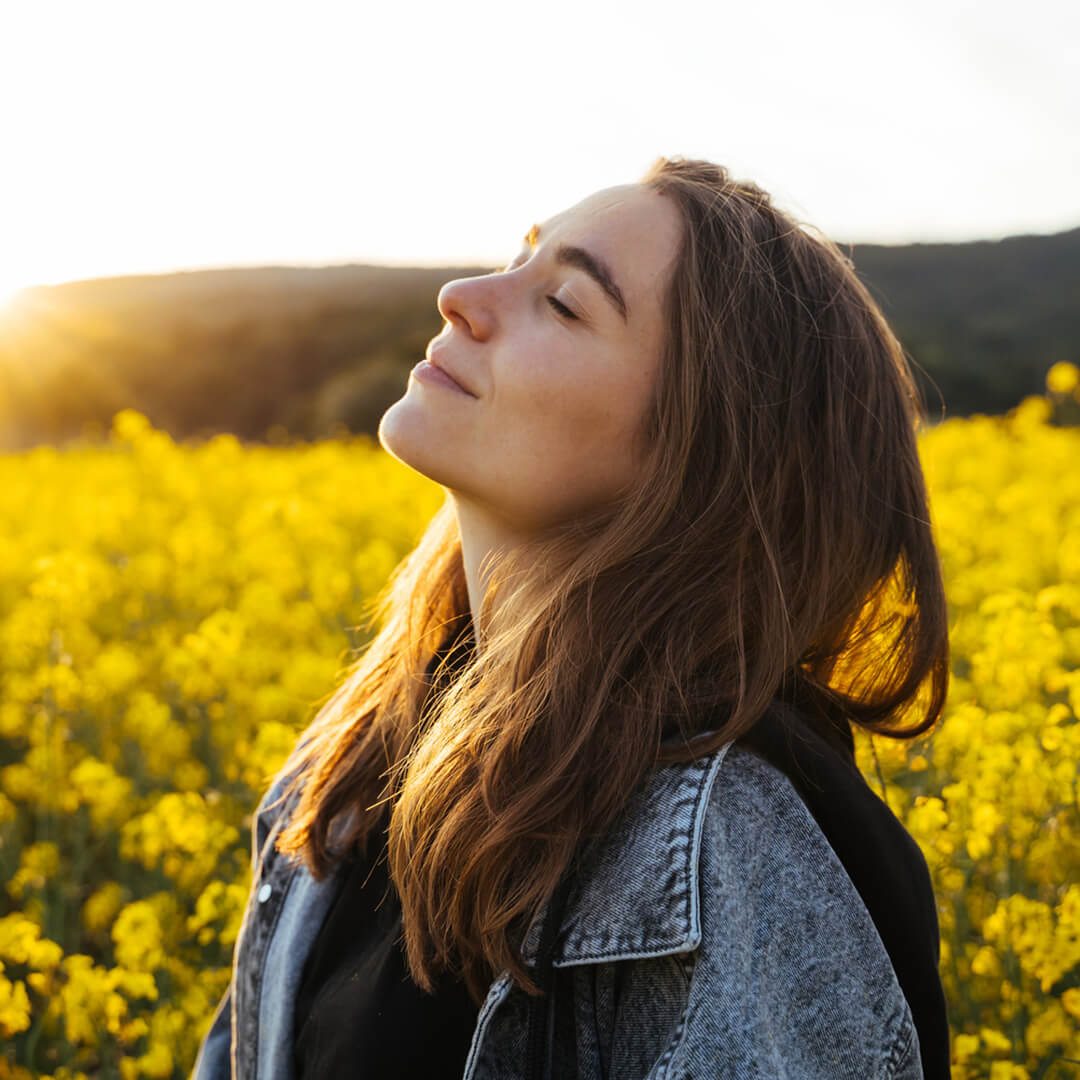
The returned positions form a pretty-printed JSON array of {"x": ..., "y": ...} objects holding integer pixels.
[
  {"x": 37, "y": 863},
  {"x": 218, "y": 903},
  {"x": 130, "y": 426},
  {"x": 1062, "y": 378},
  {"x": 986, "y": 962},
  {"x": 1008, "y": 1070},
  {"x": 102, "y": 904},
  {"x": 170, "y": 614},
  {"x": 1030, "y": 413},
  {"x": 14, "y": 1006},
  {"x": 1048, "y": 1029},
  {"x": 139, "y": 937},
  {"x": 964, "y": 1046},
  {"x": 21, "y": 943},
  {"x": 156, "y": 1062},
  {"x": 182, "y": 834},
  {"x": 994, "y": 1041},
  {"x": 99, "y": 787}
]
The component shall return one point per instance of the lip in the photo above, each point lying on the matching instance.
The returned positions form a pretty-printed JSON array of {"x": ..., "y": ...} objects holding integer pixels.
[{"x": 432, "y": 358}]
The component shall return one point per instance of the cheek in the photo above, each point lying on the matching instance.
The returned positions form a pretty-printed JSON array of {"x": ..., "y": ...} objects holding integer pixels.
[{"x": 574, "y": 430}]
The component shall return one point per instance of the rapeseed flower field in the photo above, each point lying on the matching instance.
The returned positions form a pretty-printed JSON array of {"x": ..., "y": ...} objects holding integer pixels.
[{"x": 171, "y": 616}]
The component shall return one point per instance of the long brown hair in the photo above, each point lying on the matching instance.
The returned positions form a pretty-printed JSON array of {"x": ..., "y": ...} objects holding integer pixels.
[{"x": 777, "y": 544}]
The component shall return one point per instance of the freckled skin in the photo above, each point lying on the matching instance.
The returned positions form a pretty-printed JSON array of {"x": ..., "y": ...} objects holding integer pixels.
[{"x": 549, "y": 433}]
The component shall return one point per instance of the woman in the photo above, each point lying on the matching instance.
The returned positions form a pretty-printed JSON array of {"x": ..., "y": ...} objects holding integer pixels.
[{"x": 615, "y": 828}]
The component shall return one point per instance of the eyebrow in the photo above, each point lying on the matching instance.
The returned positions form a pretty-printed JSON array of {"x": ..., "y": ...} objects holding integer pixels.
[{"x": 596, "y": 268}]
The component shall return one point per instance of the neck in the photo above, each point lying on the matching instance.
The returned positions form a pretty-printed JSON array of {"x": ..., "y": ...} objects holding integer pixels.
[{"x": 484, "y": 538}]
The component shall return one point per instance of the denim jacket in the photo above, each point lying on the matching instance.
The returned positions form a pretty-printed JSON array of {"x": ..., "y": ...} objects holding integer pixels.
[{"x": 711, "y": 932}]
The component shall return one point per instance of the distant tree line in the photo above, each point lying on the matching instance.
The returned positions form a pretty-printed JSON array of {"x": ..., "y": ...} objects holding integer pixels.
[
  {"x": 984, "y": 321},
  {"x": 310, "y": 351}
]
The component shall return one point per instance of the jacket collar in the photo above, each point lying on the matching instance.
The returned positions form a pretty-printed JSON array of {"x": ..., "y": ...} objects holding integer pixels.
[{"x": 635, "y": 892}]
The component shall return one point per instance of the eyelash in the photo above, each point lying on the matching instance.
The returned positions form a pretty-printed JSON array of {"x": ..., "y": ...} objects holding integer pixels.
[
  {"x": 557, "y": 305},
  {"x": 561, "y": 308}
]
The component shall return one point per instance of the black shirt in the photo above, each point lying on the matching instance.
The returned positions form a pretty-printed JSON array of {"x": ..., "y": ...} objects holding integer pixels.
[
  {"x": 357, "y": 1005},
  {"x": 358, "y": 1010}
]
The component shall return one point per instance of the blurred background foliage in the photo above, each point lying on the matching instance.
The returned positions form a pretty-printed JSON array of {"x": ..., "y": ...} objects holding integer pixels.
[{"x": 173, "y": 614}]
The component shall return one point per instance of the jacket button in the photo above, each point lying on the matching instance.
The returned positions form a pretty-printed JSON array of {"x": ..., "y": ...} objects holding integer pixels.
[{"x": 264, "y": 892}]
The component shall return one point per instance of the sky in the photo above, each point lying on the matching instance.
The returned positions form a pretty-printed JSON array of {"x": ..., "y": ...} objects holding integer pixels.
[{"x": 152, "y": 137}]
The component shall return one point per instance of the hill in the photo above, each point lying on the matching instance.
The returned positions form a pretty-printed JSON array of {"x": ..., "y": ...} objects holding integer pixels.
[
  {"x": 985, "y": 320},
  {"x": 305, "y": 349}
]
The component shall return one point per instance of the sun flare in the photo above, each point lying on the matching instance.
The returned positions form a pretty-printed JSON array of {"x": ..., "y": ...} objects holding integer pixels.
[{"x": 10, "y": 291}]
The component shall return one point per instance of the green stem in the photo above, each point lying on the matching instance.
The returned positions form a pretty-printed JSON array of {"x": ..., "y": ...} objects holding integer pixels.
[{"x": 32, "y": 1040}]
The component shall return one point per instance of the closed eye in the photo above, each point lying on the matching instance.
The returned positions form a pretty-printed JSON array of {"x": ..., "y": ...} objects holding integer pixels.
[
  {"x": 561, "y": 308},
  {"x": 558, "y": 305}
]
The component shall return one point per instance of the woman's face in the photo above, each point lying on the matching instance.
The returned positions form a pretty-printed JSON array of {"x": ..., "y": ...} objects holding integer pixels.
[{"x": 559, "y": 368}]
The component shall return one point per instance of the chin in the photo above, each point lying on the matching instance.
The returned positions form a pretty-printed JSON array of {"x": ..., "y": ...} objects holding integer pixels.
[
  {"x": 397, "y": 432},
  {"x": 407, "y": 435}
]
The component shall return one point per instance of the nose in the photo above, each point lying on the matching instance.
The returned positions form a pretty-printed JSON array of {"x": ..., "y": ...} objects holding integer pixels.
[{"x": 466, "y": 303}]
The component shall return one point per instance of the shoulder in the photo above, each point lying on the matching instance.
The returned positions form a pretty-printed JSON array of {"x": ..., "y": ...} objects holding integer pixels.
[
  {"x": 792, "y": 976},
  {"x": 746, "y": 781},
  {"x": 767, "y": 864},
  {"x": 760, "y": 834}
]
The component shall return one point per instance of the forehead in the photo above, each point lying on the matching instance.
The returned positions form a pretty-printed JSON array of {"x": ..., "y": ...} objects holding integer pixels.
[{"x": 634, "y": 229}]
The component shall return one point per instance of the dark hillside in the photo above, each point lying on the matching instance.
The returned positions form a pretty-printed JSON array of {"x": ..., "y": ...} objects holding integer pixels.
[
  {"x": 984, "y": 319},
  {"x": 308, "y": 349}
]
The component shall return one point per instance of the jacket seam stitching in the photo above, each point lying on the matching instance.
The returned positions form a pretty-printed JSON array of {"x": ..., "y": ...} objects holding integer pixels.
[
  {"x": 678, "y": 1037},
  {"x": 688, "y": 963},
  {"x": 900, "y": 1051},
  {"x": 483, "y": 1019},
  {"x": 265, "y": 949}
]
